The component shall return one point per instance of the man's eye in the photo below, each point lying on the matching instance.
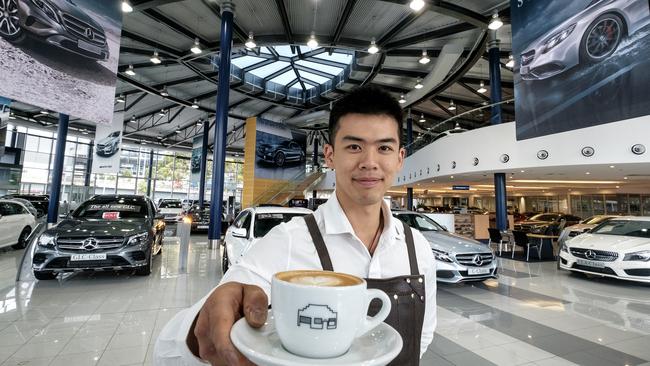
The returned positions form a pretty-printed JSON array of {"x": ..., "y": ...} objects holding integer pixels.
[
  {"x": 354, "y": 147},
  {"x": 385, "y": 148}
]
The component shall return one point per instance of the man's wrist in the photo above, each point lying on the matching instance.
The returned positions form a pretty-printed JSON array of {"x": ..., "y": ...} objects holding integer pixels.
[{"x": 191, "y": 341}]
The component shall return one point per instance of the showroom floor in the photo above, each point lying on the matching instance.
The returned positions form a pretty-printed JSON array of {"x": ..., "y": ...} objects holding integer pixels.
[{"x": 532, "y": 315}]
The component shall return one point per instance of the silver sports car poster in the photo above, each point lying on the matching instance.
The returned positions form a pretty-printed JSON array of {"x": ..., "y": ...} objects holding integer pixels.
[
  {"x": 579, "y": 63},
  {"x": 280, "y": 153},
  {"x": 108, "y": 142},
  {"x": 61, "y": 55}
]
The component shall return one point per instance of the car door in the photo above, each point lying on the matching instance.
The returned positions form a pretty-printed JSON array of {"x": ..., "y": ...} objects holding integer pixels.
[
  {"x": 5, "y": 224},
  {"x": 244, "y": 243},
  {"x": 235, "y": 244},
  {"x": 11, "y": 223}
]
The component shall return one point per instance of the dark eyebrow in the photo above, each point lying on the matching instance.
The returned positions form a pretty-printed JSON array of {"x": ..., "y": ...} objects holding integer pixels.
[{"x": 359, "y": 139}]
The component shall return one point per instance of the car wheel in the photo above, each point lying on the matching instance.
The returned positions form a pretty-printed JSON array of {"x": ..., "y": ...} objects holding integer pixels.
[
  {"x": 601, "y": 38},
  {"x": 145, "y": 270},
  {"x": 224, "y": 260},
  {"x": 10, "y": 22},
  {"x": 44, "y": 276},
  {"x": 22, "y": 239},
  {"x": 279, "y": 159}
]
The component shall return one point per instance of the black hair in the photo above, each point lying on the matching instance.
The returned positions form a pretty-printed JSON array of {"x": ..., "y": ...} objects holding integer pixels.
[{"x": 368, "y": 99}]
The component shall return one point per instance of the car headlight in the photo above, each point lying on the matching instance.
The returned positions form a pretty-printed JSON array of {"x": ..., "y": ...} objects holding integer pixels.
[
  {"x": 442, "y": 256},
  {"x": 47, "y": 9},
  {"x": 46, "y": 240},
  {"x": 138, "y": 239},
  {"x": 564, "y": 248},
  {"x": 558, "y": 37},
  {"x": 643, "y": 256}
]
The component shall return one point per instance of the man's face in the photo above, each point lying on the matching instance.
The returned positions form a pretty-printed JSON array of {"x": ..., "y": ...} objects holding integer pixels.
[{"x": 366, "y": 156}]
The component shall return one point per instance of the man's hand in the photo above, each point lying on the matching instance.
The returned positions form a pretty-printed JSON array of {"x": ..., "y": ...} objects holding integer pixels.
[{"x": 209, "y": 336}]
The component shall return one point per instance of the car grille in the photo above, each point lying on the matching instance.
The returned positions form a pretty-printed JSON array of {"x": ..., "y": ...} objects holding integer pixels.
[
  {"x": 76, "y": 244},
  {"x": 468, "y": 259},
  {"x": 638, "y": 272},
  {"x": 79, "y": 28},
  {"x": 600, "y": 255},
  {"x": 527, "y": 58},
  {"x": 605, "y": 270},
  {"x": 65, "y": 262},
  {"x": 524, "y": 228}
]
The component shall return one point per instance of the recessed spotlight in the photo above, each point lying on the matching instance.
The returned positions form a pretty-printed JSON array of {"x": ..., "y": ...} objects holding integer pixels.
[
  {"x": 452, "y": 177},
  {"x": 618, "y": 186}
]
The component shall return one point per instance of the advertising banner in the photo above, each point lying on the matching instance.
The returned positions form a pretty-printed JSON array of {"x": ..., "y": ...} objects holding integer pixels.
[
  {"x": 108, "y": 141},
  {"x": 195, "y": 162},
  {"x": 61, "y": 55},
  {"x": 279, "y": 152},
  {"x": 579, "y": 63}
]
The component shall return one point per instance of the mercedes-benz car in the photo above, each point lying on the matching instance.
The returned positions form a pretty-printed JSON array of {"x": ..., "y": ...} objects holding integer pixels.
[
  {"x": 582, "y": 227},
  {"x": 16, "y": 223},
  {"x": 618, "y": 247},
  {"x": 200, "y": 217},
  {"x": 109, "y": 145},
  {"x": 590, "y": 36},
  {"x": 458, "y": 259},
  {"x": 107, "y": 232},
  {"x": 39, "y": 201},
  {"x": 280, "y": 153},
  {"x": 171, "y": 209},
  {"x": 549, "y": 223},
  {"x": 61, "y": 23}
]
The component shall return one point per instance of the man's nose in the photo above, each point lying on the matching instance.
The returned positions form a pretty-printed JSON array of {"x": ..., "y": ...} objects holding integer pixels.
[{"x": 369, "y": 160}]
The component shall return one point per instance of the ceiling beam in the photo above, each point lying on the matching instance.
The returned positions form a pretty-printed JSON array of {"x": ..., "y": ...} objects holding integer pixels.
[
  {"x": 343, "y": 20},
  {"x": 176, "y": 27},
  {"x": 403, "y": 24},
  {"x": 216, "y": 11},
  {"x": 442, "y": 107},
  {"x": 427, "y": 36},
  {"x": 185, "y": 80},
  {"x": 475, "y": 80},
  {"x": 316, "y": 72},
  {"x": 285, "y": 21},
  {"x": 140, "y": 5},
  {"x": 265, "y": 110},
  {"x": 473, "y": 91},
  {"x": 154, "y": 45}
]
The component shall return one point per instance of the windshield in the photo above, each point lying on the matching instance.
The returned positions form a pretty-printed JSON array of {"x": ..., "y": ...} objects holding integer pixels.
[
  {"x": 639, "y": 229},
  {"x": 595, "y": 220},
  {"x": 115, "y": 209},
  {"x": 264, "y": 222},
  {"x": 420, "y": 222},
  {"x": 544, "y": 217},
  {"x": 170, "y": 204}
]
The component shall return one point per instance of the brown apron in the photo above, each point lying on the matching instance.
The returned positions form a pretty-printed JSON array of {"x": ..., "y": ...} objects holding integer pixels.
[{"x": 406, "y": 294}]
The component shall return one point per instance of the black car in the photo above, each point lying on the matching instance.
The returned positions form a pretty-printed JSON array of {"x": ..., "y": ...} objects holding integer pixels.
[
  {"x": 60, "y": 23},
  {"x": 107, "y": 232},
  {"x": 200, "y": 216},
  {"x": 547, "y": 223},
  {"x": 280, "y": 153},
  {"x": 39, "y": 201}
]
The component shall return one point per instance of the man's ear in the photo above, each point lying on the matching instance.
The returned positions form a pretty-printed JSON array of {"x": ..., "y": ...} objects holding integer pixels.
[
  {"x": 401, "y": 156},
  {"x": 328, "y": 152}
]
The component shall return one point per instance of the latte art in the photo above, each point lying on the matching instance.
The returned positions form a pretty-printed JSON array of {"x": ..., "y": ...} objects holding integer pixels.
[
  {"x": 319, "y": 278},
  {"x": 318, "y": 281}
]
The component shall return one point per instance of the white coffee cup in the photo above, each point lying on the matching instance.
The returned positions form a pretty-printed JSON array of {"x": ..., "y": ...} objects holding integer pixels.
[{"x": 318, "y": 314}]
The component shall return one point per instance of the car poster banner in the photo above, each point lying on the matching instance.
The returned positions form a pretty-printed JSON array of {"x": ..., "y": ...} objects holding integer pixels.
[
  {"x": 108, "y": 141},
  {"x": 61, "y": 55},
  {"x": 279, "y": 151},
  {"x": 579, "y": 63},
  {"x": 195, "y": 162}
]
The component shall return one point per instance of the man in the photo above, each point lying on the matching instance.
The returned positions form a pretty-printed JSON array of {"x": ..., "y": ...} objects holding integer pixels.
[{"x": 353, "y": 232}]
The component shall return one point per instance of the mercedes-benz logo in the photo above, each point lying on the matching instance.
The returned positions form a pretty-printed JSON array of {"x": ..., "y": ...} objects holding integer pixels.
[
  {"x": 90, "y": 33},
  {"x": 90, "y": 244},
  {"x": 477, "y": 260},
  {"x": 590, "y": 254}
]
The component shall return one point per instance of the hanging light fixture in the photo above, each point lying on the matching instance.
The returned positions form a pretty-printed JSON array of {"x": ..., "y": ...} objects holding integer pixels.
[
  {"x": 162, "y": 112},
  {"x": 312, "y": 43},
  {"x": 196, "y": 49},
  {"x": 164, "y": 91},
  {"x": 495, "y": 22},
  {"x": 482, "y": 89},
  {"x": 120, "y": 99},
  {"x": 133, "y": 120},
  {"x": 422, "y": 118},
  {"x": 178, "y": 131},
  {"x": 511, "y": 61},
  {"x": 130, "y": 71},
  {"x": 250, "y": 42},
  {"x": 418, "y": 84},
  {"x": 373, "y": 47},
  {"x": 416, "y": 4},
  {"x": 457, "y": 126},
  {"x": 155, "y": 59},
  {"x": 402, "y": 99},
  {"x": 425, "y": 58},
  {"x": 452, "y": 106},
  {"x": 195, "y": 105},
  {"x": 126, "y": 6}
]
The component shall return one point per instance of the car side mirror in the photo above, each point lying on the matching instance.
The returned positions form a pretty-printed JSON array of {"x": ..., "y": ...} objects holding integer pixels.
[{"x": 240, "y": 232}]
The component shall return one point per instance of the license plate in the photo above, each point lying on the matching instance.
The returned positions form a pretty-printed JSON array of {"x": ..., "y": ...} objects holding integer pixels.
[
  {"x": 595, "y": 264},
  {"x": 477, "y": 271},
  {"x": 201, "y": 226},
  {"x": 89, "y": 47},
  {"x": 88, "y": 257}
]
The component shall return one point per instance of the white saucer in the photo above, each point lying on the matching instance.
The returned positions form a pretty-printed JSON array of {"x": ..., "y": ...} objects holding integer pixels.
[{"x": 262, "y": 346}]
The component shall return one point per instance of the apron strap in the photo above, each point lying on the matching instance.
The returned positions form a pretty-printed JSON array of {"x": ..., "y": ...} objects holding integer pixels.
[
  {"x": 319, "y": 243},
  {"x": 410, "y": 247}
]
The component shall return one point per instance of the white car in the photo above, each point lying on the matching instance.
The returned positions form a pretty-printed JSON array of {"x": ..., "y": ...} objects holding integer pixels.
[
  {"x": 251, "y": 225},
  {"x": 171, "y": 209},
  {"x": 16, "y": 223},
  {"x": 618, "y": 247},
  {"x": 583, "y": 227}
]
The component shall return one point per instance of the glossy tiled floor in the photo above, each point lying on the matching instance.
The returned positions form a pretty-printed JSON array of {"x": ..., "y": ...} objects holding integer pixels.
[{"x": 533, "y": 315}]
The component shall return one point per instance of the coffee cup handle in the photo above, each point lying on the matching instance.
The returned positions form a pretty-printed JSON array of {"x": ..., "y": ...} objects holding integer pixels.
[{"x": 370, "y": 323}]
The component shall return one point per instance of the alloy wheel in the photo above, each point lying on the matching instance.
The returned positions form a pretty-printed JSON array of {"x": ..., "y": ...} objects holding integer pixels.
[
  {"x": 9, "y": 21},
  {"x": 603, "y": 38}
]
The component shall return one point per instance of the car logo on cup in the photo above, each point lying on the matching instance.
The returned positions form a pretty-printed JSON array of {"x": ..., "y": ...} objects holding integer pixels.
[
  {"x": 590, "y": 254},
  {"x": 317, "y": 317},
  {"x": 477, "y": 260},
  {"x": 90, "y": 244}
]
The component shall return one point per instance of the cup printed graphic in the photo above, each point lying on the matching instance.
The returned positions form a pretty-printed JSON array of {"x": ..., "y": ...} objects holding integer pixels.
[{"x": 317, "y": 317}]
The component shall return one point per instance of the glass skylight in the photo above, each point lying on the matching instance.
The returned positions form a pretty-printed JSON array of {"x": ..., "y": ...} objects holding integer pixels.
[
  {"x": 246, "y": 61},
  {"x": 320, "y": 67},
  {"x": 313, "y": 77},
  {"x": 269, "y": 69}
]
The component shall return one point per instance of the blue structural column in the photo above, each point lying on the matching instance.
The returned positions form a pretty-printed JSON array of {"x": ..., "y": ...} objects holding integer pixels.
[
  {"x": 150, "y": 174},
  {"x": 409, "y": 151},
  {"x": 89, "y": 166},
  {"x": 57, "y": 172},
  {"x": 495, "y": 94},
  {"x": 204, "y": 161},
  {"x": 221, "y": 123}
]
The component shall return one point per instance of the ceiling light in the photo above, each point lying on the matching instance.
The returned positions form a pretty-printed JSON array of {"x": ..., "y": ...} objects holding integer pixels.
[
  {"x": 120, "y": 99},
  {"x": 250, "y": 42},
  {"x": 402, "y": 99},
  {"x": 418, "y": 84},
  {"x": 587, "y": 173},
  {"x": 611, "y": 166},
  {"x": 196, "y": 49},
  {"x": 130, "y": 71},
  {"x": 178, "y": 131},
  {"x": 511, "y": 61},
  {"x": 457, "y": 126},
  {"x": 495, "y": 22},
  {"x": 373, "y": 47},
  {"x": 625, "y": 178},
  {"x": 564, "y": 181},
  {"x": 126, "y": 7},
  {"x": 618, "y": 186},
  {"x": 162, "y": 112},
  {"x": 155, "y": 59},
  {"x": 452, "y": 106},
  {"x": 85, "y": 132},
  {"x": 424, "y": 59},
  {"x": 482, "y": 89},
  {"x": 45, "y": 111},
  {"x": 195, "y": 105},
  {"x": 312, "y": 43},
  {"x": 422, "y": 118},
  {"x": 416, "y": 4},
  {"x": 523, "y": 171},
  {"x": 133, "y": 120},
  {"x": 143, "y": 142},
  {"x": 164, "y": 92}
]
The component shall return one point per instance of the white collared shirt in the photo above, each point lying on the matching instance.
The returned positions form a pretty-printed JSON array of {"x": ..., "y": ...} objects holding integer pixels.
[{"x": 289, "y": 246}]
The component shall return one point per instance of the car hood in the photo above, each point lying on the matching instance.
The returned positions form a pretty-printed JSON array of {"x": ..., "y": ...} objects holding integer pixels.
[
  {"x": 534, "y": 222},
  {"x": 452, "y": 243},
  {"x": 106, "y": 140},
  {"x": 609, "y": 242},
  {"x": 581, "y": 227},
  {"x": 85, "y": 228},
  {"x": 71, "y": 8}
]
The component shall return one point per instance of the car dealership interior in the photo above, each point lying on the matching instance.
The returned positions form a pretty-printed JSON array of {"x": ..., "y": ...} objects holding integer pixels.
[{"x": 146, "y": 146}]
